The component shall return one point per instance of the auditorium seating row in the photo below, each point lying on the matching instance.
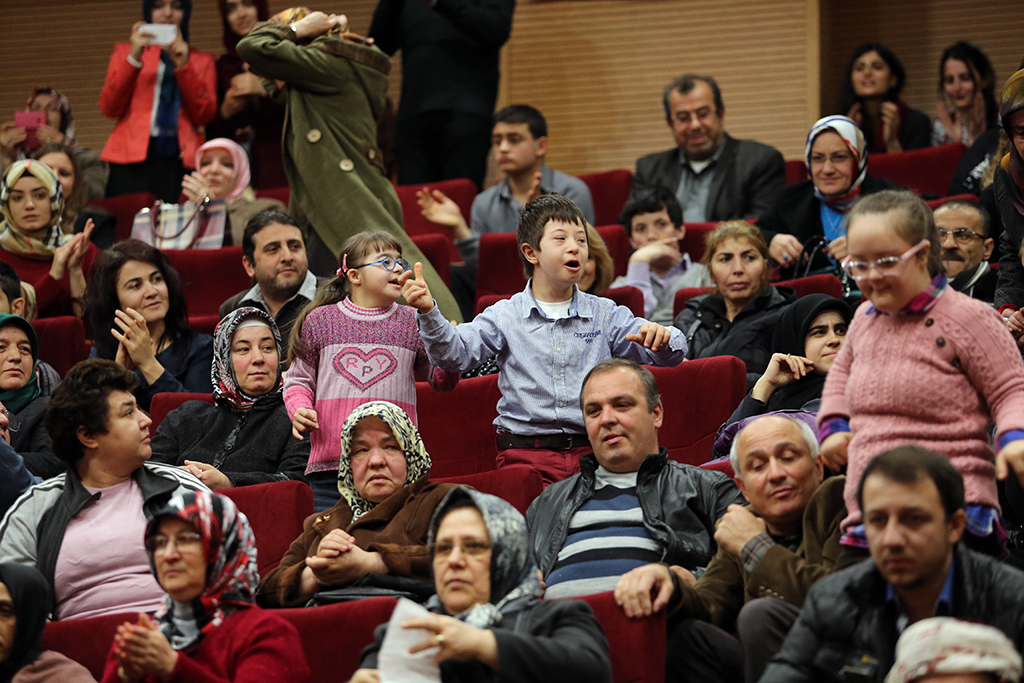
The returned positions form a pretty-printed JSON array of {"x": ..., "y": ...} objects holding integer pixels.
[{"x": 333, "y": 636}]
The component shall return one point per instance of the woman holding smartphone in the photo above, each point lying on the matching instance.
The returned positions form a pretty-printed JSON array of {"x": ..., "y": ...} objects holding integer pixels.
[{"x": 161, "y": 96}]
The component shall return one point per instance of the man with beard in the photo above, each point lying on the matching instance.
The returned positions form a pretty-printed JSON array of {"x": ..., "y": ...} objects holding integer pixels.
[
  {"x": 966, "y": 248},
  {"x": 274, "y": 253}
]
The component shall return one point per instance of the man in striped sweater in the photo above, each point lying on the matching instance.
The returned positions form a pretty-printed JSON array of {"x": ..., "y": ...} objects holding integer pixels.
[{"x": 629, "y": 505}]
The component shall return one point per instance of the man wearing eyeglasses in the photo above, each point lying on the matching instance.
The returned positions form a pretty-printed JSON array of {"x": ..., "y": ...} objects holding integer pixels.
[{"x": 966, "y": 248}]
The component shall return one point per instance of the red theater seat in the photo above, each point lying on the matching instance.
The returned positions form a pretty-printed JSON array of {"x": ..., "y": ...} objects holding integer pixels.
[
  {"x": 499, "y": 270},
  {"x": 936, "y": 203},
  {"x": 698, "y": 395},
  {"x": 209, "y": 277},
  {"x": 617, "y": 242},
  {"x": 926, "y": 171},
  {"x": 435, "y": 248},
  {"x": 86, "y": 641},
  {"x": 461, "y": 191},
  {"x": 61, "y": 341},
  {"x": 685, "y": 294},
  {"x": 517, "y": 484},
  {"x": 275, "y": 512},
  {"x": 281, "y": 194},
  {"x": 123, "y": 208},
  {"x": 609, "y": 191},
  {"x": 458, "y": 426},
  {"x": 796, "y": 170},
  {"x": 693, "y": 240},
  {"x": 630, "y": 297},
  {"x": 165, "y": 402},
  {"x": 636, "y": 646},
  {"x": 814, "y": 284}
]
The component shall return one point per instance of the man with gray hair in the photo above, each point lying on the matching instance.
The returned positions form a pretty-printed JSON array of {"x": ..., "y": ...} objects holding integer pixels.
[
  {"x": 715, "y": 177},
  {"x": 769, "y": 554}
]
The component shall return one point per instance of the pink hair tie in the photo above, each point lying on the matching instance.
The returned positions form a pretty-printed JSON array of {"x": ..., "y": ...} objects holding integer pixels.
[{"x": 344, "y": 265}]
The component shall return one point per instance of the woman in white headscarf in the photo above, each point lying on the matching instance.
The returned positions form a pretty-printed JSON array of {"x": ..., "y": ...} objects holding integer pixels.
[{"x": 806, "y": 229}]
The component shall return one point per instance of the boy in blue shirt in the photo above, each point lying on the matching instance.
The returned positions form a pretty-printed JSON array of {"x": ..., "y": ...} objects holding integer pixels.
[{"x": 546, "y": 338}]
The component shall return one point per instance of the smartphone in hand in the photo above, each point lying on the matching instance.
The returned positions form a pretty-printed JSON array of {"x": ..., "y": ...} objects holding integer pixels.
[
  {"x": 163, "y": 34},
  {"x": 30, "y": 121}
]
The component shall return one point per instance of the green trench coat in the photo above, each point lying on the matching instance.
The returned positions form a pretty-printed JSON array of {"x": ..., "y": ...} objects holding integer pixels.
[{"x": 336, "y": 92}]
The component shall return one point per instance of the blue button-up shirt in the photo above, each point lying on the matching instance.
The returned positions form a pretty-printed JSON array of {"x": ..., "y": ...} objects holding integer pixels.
[
  {"x": 943, "y": 606},
  {"x": 542, "y": 361}
]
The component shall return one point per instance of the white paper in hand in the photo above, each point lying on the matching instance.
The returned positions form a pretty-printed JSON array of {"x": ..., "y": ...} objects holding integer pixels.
[{"x": 394, "y": 662}]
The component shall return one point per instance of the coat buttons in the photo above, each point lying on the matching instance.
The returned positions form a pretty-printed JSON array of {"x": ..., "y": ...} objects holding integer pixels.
[
  {"x": 371, "y": 155},
  {"x": 314, "y": 135},
  {"x": 346, "y": 165}
]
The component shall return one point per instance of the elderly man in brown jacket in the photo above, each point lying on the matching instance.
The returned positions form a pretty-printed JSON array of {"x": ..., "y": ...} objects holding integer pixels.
[
  {"x": 769, "y": 555},
  {"x": 336, "y": 85}
]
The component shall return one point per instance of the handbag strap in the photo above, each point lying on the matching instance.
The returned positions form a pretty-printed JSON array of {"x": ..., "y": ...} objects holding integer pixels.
[{"x": 200, "y": 208}]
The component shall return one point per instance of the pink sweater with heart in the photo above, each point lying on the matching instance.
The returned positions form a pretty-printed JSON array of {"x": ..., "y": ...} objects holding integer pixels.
[{"x": 356, "y": 355}]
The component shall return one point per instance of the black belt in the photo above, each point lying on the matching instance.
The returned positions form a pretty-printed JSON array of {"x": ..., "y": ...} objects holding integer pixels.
[{"x": 549, "y": 442}]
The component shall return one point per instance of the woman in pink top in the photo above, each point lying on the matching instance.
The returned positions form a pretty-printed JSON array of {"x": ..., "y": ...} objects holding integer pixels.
[{"x": 922, "y": 364}]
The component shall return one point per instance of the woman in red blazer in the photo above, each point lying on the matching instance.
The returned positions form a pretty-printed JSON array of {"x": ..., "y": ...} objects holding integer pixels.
[{"x": 161, "y": 97}]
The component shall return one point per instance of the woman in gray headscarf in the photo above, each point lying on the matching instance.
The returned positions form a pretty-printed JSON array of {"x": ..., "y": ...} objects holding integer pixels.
[{"x": 488, "y": 615}]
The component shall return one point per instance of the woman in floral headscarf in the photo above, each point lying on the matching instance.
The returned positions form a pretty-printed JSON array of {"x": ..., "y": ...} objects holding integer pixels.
[
  {"x": 380, "y": 524},
  {"x": 246, "y": 437},
  {"x": 810, "y": 216},
  {"x": 488, "y": 614},
  {"x": 203, "y": 555},
  {"x": 32, "y": 242}
]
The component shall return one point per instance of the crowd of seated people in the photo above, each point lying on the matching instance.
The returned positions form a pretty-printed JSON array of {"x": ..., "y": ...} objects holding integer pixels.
[{"x": 881, "y": 430}]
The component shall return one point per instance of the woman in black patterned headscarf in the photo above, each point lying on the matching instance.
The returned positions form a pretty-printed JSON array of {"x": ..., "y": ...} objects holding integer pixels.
[
  {"x": 246, "y": 438},
  {"x": 488, "y": 614},
  {"x": 203, "y": 554}
]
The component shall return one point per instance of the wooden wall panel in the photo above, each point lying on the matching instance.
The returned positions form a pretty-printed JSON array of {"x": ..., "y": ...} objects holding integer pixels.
[
  {"x": 918, "y": 31},
  {"x": 597, "y": 69}
]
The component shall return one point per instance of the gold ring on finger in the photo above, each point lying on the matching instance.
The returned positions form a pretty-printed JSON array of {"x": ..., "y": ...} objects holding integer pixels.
[{"x": 440, "y": 639}]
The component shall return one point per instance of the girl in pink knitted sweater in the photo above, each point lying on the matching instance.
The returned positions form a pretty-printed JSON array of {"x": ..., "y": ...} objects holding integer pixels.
[
  {"x": 354, "y": 344},
  {"x": 922, "y": 364}
]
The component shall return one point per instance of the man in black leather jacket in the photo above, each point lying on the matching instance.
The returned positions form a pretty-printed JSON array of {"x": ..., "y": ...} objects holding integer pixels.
[
  {"x": 629, "y": 505},
  {"x": 914, "y": 515}
]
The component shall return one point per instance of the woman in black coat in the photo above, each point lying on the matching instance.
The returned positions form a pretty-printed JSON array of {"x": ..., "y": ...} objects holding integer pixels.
[{"x": 806, "y": 229}]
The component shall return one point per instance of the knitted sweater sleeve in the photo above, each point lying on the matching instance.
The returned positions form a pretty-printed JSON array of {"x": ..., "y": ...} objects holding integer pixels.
[
  {"x": 300, "y": 380},
  {"x": 833, "y": 395}
]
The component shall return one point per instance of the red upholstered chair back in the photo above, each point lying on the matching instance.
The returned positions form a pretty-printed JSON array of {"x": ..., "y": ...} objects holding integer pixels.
[
  {"x": 61, "y": 341},
  {"x": 517, "y": 484},
  {"x": 698, "y": 395},
  {"x": 723, "y": 466},
  {"x": 458, "y": 426},
  {"x": 636, "y": 646},
  {"x": 333, "y": 636},
  {"x": 281, "y": 194},
  {"x": 814, "y": 284},
  {"x": 936, "y": 203},
  {"x": 86, "y": 641},
  {"x": 209, "y": 277},
  {"x": 796, "y": 170},
  {"x": 275, "y": 512},
  {"x": 617, "y": 241},
  {"x": 609, "y": 190},
  {"x": 499, "y": 269},
  {"x": 461, "y": 191},
  {"x": 484, "y": 302},
  {"x": 685, "y": 294},
  {"x": 694, "y": 238},
  {"x": 165, "y": 402},
  {"x": 435, "y": 248},
  {"x": 630, "y": 297},
  {"x": 926, "y": 171},
  {"x": 123, "y": 209}
]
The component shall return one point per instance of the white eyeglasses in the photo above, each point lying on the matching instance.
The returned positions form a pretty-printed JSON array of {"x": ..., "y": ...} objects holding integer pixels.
[{"x": 887, "y": 266}]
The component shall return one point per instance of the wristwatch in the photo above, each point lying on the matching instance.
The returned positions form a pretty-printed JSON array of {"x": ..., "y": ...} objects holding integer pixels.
[{"x": 295, "y": 31}]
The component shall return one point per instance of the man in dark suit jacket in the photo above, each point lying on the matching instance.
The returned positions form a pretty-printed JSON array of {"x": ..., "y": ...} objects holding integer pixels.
[
  {"x": 715, "y": 177},
  {"x": 966, "y": 248}
]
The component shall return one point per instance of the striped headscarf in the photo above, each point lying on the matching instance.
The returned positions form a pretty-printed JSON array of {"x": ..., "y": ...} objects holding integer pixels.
[
  {"x": 405, "y": 433},
  {"x": 852, "y": 135},
  {"x": 229, "y": 548}
]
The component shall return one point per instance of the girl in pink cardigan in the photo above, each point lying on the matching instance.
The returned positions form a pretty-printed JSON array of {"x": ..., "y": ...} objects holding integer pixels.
[
  {"x": 922, "y": 364},
  {"x": 351, "y": 345}
]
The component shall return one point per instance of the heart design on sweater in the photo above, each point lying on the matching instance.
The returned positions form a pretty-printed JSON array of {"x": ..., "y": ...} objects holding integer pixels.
[{"x": 364, "y": 369}]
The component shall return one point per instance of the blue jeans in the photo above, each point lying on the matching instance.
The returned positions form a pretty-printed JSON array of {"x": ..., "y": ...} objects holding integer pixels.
[{"x": 325, "y": 489}]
